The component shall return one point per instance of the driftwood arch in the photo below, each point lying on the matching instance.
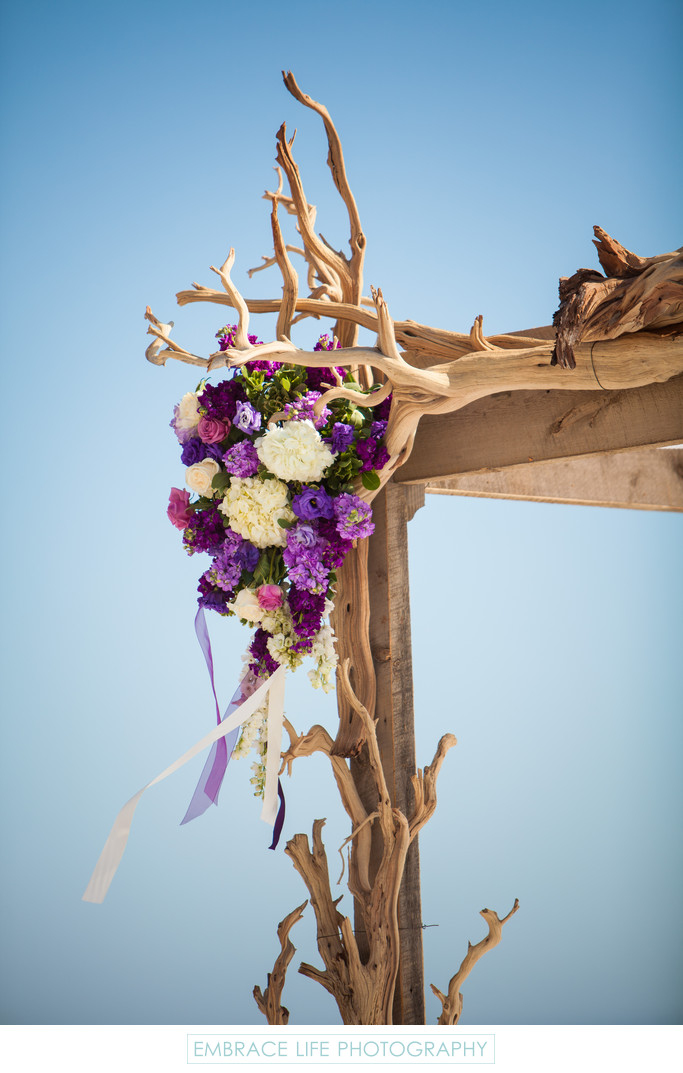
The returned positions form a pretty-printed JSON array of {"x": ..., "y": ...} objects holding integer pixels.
[{"x": 613, "y": 334}]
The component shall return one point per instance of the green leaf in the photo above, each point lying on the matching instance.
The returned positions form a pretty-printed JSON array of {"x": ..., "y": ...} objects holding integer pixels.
[
  {"x": 286, "y": 383},
  {"x": 370, "y": 480},
  {"x": 284, "y": 524},
  {"x": 220, "y": 481}
]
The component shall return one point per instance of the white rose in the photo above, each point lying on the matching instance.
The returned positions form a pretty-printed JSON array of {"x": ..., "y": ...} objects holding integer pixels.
[
  {"x": 246, "y": 605},
  {"x": 294, "y": 452},
  {"x": 198, "y": 478},
  {"x": 188, "y": 412}
]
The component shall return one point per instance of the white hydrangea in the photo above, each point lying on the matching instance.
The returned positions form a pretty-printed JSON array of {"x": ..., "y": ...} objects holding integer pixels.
[
  {"x": 253, "y": 507},
  {"x": 294, "y": 451}
]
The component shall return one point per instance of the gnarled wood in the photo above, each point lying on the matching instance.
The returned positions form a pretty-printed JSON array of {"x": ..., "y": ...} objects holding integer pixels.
[
  {"x": 268, "y": 1002},
  {"x": 452, "y": 1002},
  {"x": 362, "y": 988}
]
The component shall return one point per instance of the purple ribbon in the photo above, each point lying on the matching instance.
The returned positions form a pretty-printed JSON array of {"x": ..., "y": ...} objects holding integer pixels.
[
  {"x": 214, "y": 769},
  {"x": 213, "y": 772}
]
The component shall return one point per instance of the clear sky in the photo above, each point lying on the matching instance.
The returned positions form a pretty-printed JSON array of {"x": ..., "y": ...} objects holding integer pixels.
[{"x": 482, "y": 143}]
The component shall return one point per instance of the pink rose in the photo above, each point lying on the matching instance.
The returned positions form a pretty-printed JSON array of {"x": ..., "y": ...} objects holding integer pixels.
[
  {"x": 210, "y": 430},
  {"x": 178, "y": 508},
  {"x": 269, "y": 597}
]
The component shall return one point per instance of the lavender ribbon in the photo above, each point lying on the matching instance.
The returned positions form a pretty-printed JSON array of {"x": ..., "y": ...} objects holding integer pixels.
[
  {"x": 216, "y": 765},
  {"x": 213, "y": 772}
]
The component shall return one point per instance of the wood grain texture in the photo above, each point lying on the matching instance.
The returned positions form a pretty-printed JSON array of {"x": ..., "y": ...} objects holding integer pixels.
[
  {"x": 513, "y": 428},
  {"x": 390, "y": 640},
  {"x": 649, "y": 479}
]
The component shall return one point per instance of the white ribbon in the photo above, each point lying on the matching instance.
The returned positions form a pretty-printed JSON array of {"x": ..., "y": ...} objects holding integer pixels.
[{"x": 114, "y": 847}]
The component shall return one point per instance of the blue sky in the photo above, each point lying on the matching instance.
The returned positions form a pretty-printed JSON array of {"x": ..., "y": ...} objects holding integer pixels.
[{"x": 482, "y": 145}]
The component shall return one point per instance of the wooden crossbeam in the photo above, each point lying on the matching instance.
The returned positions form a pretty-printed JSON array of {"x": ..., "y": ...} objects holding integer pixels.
[
  {"x": 516, "y": 428},
  {"x": 647, "y": 479}
]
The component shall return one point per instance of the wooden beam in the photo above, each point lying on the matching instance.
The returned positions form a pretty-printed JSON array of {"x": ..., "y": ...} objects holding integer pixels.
[
  {"x": 514, "y": 428},
  {"x": 648, "y": 479},
  {"x": 390, "y": 641}
]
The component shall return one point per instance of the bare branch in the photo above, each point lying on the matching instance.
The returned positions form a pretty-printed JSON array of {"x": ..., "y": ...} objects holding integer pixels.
[
  {"x": 452, "y": 1003},
  {"x": 424, "y": 786},
  {"x": 290, "y": 279},
  {"x": 242, "y": 333},
  {"x": 161, "y": 333},
  {"x": 268, "y": 1002}
]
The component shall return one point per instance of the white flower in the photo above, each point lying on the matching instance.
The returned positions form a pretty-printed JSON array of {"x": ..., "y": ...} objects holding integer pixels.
[
  {"x": 246, "y": 605},
  {"x": 200, "y": 476},
  {"x": 188, "y": 414},
  {"x": 253, "y": 507},
  {"x": 294, "y": 452}
]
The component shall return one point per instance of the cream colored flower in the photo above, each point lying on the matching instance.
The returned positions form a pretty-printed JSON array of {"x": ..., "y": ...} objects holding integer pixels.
[
  {"x": 253, "y": 507},
  {"x": 199, "y": 477},
  {"x": 294, "y": 452},
  {"x": 246, "y": 605},
  {"x": 188, "y": 414}
]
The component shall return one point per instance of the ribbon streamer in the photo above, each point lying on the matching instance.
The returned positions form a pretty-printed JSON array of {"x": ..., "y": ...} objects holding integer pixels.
[{"x": 114, "y": 847}]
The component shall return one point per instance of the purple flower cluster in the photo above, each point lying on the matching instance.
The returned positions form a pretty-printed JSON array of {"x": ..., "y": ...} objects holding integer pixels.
[
  {"x": 241, "y": 460},
  {"x": 206, "y": 532},
  {"x": 303, "y": 557},
  {"x": 302, "y": 410},
  {"x": 342, "y": 436},
  {"x": 317, "y": 377},
  {"x": 220, "y": 400},
  {"x": 372, "y": 454},
  {"x": 226, "y": 569},
  {"x": 307, "y": 612},
  {"x": 262, "y": 663},
  {"x": 354, "y": 517},
  {"x": 211, "y": 598}
]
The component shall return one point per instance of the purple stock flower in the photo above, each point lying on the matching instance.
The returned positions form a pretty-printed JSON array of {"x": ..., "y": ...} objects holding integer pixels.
[
  {"x": 302, "y": 410},
  {"x": 382, "y": 411},
  {"x": 312, "y": 503},
  {"x": 354, "y": 517},
  {"x": 220, "y": 400},
  {"x": 225, "y": 570},
  {"x": 377, "y": 429},
  {"x": 307, "y": 611},
  {"x": 206, "y": 531},
  {"x": 248, "y": 556},
  {"x": 262, "y": 663},
  {"x": 241, "y": 460},
  {"x": 366, "y": 450},
  {"x": 303, "y": 557},
  {"x": 342, "y": 436},
  {"x": 247, "y": 419},
  {"x": 210, "y": 598},
  {"x": 382, "y": 457}
]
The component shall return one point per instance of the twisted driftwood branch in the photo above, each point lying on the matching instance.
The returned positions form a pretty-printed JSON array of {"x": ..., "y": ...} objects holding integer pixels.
[
  {"x": 452, "y": 1002},
  {"x": 363, "y": 990},
  {"x": 268, "y": 1002}
]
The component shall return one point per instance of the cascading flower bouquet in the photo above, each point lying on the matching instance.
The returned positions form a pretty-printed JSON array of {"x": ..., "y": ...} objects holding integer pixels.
[{"x": 272, "y": 468}]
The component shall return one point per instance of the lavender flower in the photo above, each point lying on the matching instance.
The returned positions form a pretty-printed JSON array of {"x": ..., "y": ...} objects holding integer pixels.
[
  {"x": 226, "y": 569},
  {"x": 242, "y": 459},
  {"x": 247, "y": 419},
  {"x": 353, "y": 517},
  {"x": 312, "y": 503},
  {"x": 303, "y": 557},
  {"x": 262, "y": 663}
]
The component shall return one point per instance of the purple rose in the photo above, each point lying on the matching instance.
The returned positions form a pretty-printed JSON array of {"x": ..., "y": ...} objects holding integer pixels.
[
  {"x": 247, "y": 419},
  {"x": 312, "y": 503},
  {"x": 194, "y": 451}
]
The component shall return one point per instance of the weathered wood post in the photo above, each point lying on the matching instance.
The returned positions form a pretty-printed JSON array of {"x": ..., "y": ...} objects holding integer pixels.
[{"x": 390, "y": 643}]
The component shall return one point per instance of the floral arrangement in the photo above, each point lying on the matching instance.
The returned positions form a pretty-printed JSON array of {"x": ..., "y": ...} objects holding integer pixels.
[{"x": 270, "y": 497}]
